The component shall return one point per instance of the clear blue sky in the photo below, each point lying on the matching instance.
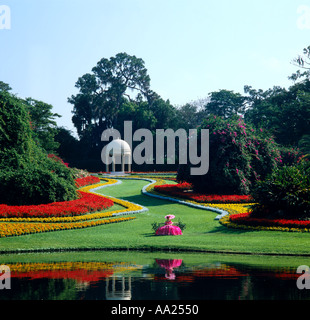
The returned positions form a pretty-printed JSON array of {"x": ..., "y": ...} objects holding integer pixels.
[{"x": 190, "y": 47}]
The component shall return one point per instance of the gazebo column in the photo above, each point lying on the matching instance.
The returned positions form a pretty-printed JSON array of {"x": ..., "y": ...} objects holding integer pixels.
[
  {"x": 113, "y": 163},
  {"x": 129, "y": 163},
  {"x": 123, "y": 162}
]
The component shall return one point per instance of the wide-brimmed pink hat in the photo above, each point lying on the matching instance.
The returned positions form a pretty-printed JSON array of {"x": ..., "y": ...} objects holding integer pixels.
[{"x": 169, "y": 216}]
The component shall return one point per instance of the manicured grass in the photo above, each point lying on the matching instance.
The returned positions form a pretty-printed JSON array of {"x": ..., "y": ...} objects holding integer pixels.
[
  {"x": 147, "y": 258},
  {"x": 202, "y": 232}
]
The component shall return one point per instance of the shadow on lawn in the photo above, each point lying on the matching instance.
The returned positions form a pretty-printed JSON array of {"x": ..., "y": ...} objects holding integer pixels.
[
  {"x": 225, "y": 230},
  {"x": 146, "y": 200},
  {"x": 149, "y": 235}
]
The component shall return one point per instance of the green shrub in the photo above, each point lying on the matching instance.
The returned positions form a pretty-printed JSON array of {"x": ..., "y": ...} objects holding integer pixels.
[
  {"x": 155, "y": 225},
  {"x": 34, "y": 185},
  {"x": 27, "y": 175},
  {"x": 238, "y": 156},
  {"x": 284, "y": 193}
]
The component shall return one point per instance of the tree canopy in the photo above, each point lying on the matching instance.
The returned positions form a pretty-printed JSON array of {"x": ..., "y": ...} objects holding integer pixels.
[{"x": 102, "y": 92}]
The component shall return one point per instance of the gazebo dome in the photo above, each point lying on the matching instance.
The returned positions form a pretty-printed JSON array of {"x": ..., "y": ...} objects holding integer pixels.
[
  {"x": 119, "y": 152},
  {"x": 118, "y": 147}
]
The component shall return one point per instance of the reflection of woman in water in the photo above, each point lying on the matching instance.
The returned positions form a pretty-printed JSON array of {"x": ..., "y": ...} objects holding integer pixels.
[
  {"x": 169, "y": 265},
  {"x": 169, "y": 229}
]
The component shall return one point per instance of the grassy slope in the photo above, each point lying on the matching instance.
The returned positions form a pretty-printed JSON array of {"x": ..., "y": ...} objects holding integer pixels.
[{"x": 202, "y": 232}]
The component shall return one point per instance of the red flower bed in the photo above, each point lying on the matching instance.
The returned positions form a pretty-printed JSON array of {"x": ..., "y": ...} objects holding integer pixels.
[
  {"x": 183, "y": 190},
  {"x": 85, "y": 181},
  {"x": 246, "y": 219},
  {"x": 86, "y": 203}
]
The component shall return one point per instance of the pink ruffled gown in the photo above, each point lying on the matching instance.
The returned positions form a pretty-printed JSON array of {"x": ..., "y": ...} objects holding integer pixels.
[{"x": 168, "y": 230}]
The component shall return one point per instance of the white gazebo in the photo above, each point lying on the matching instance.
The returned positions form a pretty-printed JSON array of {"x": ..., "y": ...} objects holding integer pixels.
[{"x": 120, "y": 152}]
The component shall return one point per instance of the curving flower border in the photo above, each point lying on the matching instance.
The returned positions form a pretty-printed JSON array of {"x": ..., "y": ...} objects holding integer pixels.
[
  {"x": 39, "y": 225},
  {"x": 246, "y": 223},
  {"x": 179, "y": 188}
]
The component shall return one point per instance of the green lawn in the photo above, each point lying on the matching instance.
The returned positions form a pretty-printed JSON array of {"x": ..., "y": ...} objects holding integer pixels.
[{"x": 202, "y": 232}]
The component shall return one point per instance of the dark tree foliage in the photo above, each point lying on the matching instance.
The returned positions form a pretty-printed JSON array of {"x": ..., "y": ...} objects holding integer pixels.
[{"x": 27, "y": 175}]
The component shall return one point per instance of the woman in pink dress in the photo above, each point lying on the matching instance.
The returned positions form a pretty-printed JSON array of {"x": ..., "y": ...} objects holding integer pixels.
[
  {"x": 169, "y": 229},
  {"x": 169, "y": 265}
]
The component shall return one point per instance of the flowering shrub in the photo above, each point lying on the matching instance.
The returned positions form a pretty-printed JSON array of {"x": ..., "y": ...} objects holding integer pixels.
[
  {"x": 290, "y": 156},
  {"x": 181, "y": 190},
  {"x": 57, "y": 159},
  {"x": 239, "y": 155}
]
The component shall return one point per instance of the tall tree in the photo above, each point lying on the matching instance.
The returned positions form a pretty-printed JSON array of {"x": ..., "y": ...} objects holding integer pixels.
[
  {"x": 225, "y": 103},
  {"x": 102, "y": 92},
  {"x": 43, "y": 123},
  {"x": 4, "y": 86},
  {"x": 303, "y": 62},
  {"x": 285, "y": 113}
]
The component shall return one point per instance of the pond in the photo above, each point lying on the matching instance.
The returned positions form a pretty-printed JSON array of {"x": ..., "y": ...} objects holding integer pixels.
[{"x": 151, "y": 276}]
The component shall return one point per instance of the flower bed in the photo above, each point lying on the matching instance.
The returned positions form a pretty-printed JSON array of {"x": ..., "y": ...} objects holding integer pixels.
[
  {"x": 85, "y": 181},
  {"x": 238, "y": 214},
  {"x": 86, "y": 203},
  {"x": 184, "y": 190},
  {"x": 245, "y": 221},
  {"x": 21, "y": 226},
  {"x": 17, "y": 229}
]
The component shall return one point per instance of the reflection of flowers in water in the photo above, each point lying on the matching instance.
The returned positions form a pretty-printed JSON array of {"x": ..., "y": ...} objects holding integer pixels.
[
  {"x": 169, "y": 265},
  {"x": 82, "y": 272}
]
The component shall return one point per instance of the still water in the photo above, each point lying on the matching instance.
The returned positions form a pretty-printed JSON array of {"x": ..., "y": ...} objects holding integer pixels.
[{"x": 151, "y": 276}]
